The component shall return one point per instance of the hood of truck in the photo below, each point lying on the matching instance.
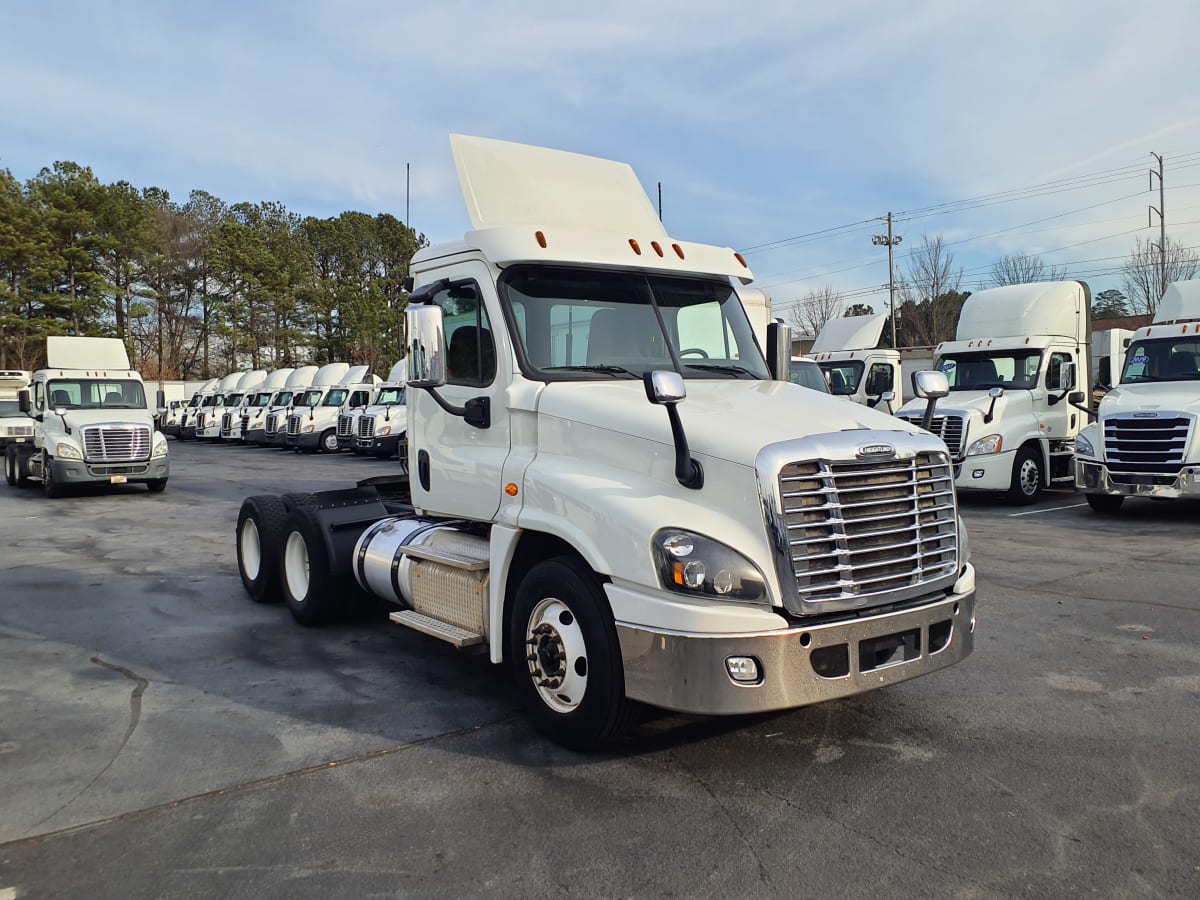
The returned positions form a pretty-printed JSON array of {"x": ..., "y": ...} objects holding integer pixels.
[
  {"x": 730, "y": 420},
  {"x": 967, "y": 403},
  {"x": 1151, "y": 397},
  {"x": 77, "y": 418}
]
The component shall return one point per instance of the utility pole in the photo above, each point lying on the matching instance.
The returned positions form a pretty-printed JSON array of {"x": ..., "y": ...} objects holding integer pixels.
[
  {"x": 1162, "y": 225},
  {"x": 660, "y": 201},
  {"x": 891, "y": 241}
]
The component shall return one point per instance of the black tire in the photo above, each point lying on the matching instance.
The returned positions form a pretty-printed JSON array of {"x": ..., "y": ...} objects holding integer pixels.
[
  {"x": 312, "y": 595},
  {"x": 576, "y": 650},
  {"x": 258, "y": 539},
  {"x": 157, "y": 485},
  {"x": 10, "y": 466},
  {"x": 328, "y": 442},
  {"x": 53, "y": 489},
  {"x": 1106, "y": 504},
  {"x": 22, "y": 468},
  {"x": 1027, "y": 479}
]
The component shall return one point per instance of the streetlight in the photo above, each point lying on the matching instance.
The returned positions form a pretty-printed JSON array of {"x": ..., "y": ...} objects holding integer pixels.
[{"x": 890, "y": 241}]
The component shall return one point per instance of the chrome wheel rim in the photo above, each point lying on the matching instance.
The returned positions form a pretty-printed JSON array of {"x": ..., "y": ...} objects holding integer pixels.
[
  {"x": 557, "y": 655},
  {"x": 1029, "y": 477}
]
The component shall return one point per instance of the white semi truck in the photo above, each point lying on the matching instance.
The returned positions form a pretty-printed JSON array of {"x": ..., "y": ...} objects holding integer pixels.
[
  {"x": 380, "y": 428},
  {"x": 16, "y": 427},
  {"x": 847, "y": 350},
  {"x": 1018, "y": 354},
  {"x": 92, "y": 423},
  {"x": 316, "y": 426},
  {"x": 186, "y": 426},
  {"x": 1108, "y": 359},
  {"x": 208, "y": 416},
  {"x": 254, "y": 413},
  {"x": 615, "y": 513},
  {"x": 275, "y": 423},
  {"x": 225, "y": 421},
  {"x": 1145, "y": 442}
]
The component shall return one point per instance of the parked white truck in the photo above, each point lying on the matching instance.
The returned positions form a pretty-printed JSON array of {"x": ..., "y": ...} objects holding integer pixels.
[
  {"x": 1145, "y": 442},
  {"x": 308, "y": 430},
  {"x": 186, "y": 427},
  {"x": 847, "y": 350},
  {"x": 275, "y": 423},
  {"x": 92, "y": 423},
  {"x": 380, "y": 428},
  {"x": 757, "y": 546},
  {"x": 224, "y": 418},
  {"x": 208, "y": 417},
  {"x": 1108, "y": 359},
  {"x": 16, "y": 427},
  {"x": 254, "y": 413},
  {"x": 1015, "y": 361}
]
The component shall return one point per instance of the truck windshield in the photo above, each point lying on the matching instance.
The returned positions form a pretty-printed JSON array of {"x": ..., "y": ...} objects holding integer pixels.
[
  {"x": 390, "y": 396},
  {"x": 88, "y": 393},
  {"x": 335, "y": 397},
  {"x": 980, "y": 371},
  {"x": 213, "y": 400},
  {"x": 844, "y": 376},
  {"x": 195, "y": 401},
  {"x": 261, "y": 399},
  {"x": 10, "y": 408},
  {"x": 282, "y": 398},
  {"x": 595, "y": 324},
  {"x": 311, "y": 397},
  {"x": 1166, "y": 359},
  {"x": 233, "y": 400},
  {"x": 809, "y": 375}
]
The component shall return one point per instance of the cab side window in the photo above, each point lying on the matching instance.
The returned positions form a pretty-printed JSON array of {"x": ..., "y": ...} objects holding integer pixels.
[
  {"x": 470, "y": 350},
  {"x": 879, "y": 379},
  {"x": 38, "y": 395},
  {"x": 1054, "y": 370}
]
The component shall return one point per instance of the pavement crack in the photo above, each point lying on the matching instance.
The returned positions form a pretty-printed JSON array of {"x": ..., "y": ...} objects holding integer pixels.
[
  {"x": 135, "y": 714},
  {"x": 763, "y": 875}
]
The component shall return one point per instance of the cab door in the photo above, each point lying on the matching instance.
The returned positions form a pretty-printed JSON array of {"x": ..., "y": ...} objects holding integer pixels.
[
  {"x": 456, "y": 468},
  {"x": 1058, "y": 418}
]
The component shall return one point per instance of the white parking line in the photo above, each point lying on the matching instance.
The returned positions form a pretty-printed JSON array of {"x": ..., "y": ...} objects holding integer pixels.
[{"x": 1034, "y": 512}]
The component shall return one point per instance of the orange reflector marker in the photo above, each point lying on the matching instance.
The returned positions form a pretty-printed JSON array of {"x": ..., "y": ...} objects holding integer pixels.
[
  {"x": 541, "y": 239},
  {"x": 657, "y": 248},
  {"x": 741, "y": 259},
  {"x": 678, "y": 573},
  {"x": 510, "y": 489},
  {"x": 678, "y": 250},
  {"x": 634, "y": 244}
]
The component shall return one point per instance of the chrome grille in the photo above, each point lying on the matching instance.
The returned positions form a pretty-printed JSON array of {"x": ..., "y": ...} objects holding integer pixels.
[
  {"x": 345, "y": 426},
  {"x": 115, "y": 443},
  {"x": 859, "y": 528},
  {"x": 200, "y": 418},
  {"x": 226, "y": 422},
  {"x": 948, "y": 428},
  {"x": 293, "y": 424},
  {"x": 1138, "y": 443},
  {"x": 366, "y": 426},
  {"x": 272, "y": 424},
  {"x": 245, "y": 423}
]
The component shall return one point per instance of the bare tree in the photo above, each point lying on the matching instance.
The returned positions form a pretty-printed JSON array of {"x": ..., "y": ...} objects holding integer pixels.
[
  {"x": 930, "y": 296},
  {"x": 1144, "y": 275},
  {"x": 816, "y": 308},
  {"x": 1024, "y": 270}
]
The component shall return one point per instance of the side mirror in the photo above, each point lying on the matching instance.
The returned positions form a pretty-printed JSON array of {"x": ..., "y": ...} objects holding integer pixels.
[
  {"x": 888, "y": 396},
  {"x": 930, "y": 384},
  {"x": 779, "y": 351},
  {"x": 995, "y": 393},
  {"x": 663, "y": 387},
  {"x": 161, "y": 399},
  {"x": 426, "y": 346},
  {"x": 23, "y": 400},
  {"x": 1076, "y": 398}
]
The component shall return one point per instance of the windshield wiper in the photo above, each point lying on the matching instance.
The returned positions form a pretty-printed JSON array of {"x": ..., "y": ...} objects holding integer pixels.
[
  {"x": 610, "y": 370},
  {"x": 715, "y": 367}
]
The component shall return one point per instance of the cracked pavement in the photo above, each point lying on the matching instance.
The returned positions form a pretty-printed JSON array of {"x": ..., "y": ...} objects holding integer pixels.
[{"x": 161, "y": 736}]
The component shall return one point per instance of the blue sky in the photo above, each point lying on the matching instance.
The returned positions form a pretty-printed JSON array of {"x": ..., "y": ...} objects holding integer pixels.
[{"x": 763, "y": 121}]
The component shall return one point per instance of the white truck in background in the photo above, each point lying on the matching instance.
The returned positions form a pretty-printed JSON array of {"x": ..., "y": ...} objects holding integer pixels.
[
  {"x": 847, "y": 350},
  {"x": 230, "y": 428},
  {"x": 254, "y": 413},
  {"x": 92, "y": 422},
  {"x": 1145, "y": 442},
  {"x": 208, "y": 417},
  {"x": 275, "y": 423},
  {"x": 380, "y": 428},
  {"x": 1108, "y": 359},
  {"x": 185, "y": 428},
  {"x": 16, "y": 427},
  {"x": 214, "y": 416},
  {"x": 311, "y": 424},
  {"x": 618, "y": 513},
  {"x": 1019, "y": 352}
]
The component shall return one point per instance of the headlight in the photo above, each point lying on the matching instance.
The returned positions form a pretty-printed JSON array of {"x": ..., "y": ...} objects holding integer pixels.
[
  {"x": 160, "y": 449},
  {"x": 1083, "y": 447},
  {"x": 307, "y": 429},
  {"x": 990, "y": 444},
  {"x": 384, "y": 431},
  {"x": 689, "y": 563},
  {"x": 67, "y": 451}
]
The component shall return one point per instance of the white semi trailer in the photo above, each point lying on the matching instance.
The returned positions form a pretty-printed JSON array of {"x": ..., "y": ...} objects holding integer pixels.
[
  {"x": 92, "y": 422},
  {"x": 627, "y": 516},
  {"x": 1145, "y": 442},
  {"x": 1018, "y": 354}
]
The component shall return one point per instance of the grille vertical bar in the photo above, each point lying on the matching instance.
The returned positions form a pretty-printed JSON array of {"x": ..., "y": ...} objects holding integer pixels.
[{"x": 948, "y": 428}]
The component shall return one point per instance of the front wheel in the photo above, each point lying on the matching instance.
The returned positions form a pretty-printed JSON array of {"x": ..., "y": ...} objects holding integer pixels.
[
  {"x": 329, "y": 442},
  {"x": 52, "y": 488},
  {"x": 1026, "y": 484},
  {"x": 10, "y": 466},
  {"x": 1105, "y": 503},
  {"x": 566, "y": 657},
  {"x": 157, "y": 485}
]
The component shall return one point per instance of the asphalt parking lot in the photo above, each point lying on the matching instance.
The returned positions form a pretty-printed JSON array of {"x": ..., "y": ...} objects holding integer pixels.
[{"x": 161, "y": 736}]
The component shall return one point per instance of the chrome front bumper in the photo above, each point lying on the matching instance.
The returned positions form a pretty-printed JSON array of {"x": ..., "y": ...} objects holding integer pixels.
[
  {"x": 1092, "y": 477},
  {"x": 687, "y": 672}
]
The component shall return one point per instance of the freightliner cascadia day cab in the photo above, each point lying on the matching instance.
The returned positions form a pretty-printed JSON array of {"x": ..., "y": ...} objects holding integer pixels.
[
  {"x": 609, "y": 491},
  {"x": 187, "y": 417},
  {"x": 1016, "y": 360},
  {"x": 228, "y": 417},
  {"x": 1145, "y": 442},
  {"x": 301, "y": 423},
  {"x": 380, "y": 428},
  {"x": 254, "y": 413},
  {"x": 92, "y": 421},
  {"x": 848, "y": 351},
  {"x": 275, "y": 424},
  {"x": 214, "y": 417},
  {"x": 16, "y": 427},
  {"x": 317, "y": 428},
  {"x": 208, "y": 417}
]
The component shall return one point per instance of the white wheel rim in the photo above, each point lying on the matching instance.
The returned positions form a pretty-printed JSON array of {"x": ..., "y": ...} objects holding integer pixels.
[
  {"x": 295, "y": 566},
  {"x": 557, "y": 655},
  {"x": 1029, "y": 477},
  {"x": 331, "y": 442},
  {"x": 251, "y": 547}
]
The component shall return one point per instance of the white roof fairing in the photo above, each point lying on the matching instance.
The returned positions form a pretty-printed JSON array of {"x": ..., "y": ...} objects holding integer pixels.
[{"x": 849, "y": 333}]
